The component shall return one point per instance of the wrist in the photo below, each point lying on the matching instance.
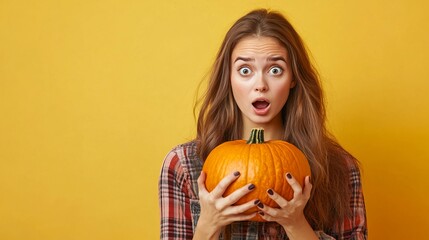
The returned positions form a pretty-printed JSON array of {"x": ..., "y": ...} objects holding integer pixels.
[
  {"x": 300, "y": 229},
  {"x": 205, "y": 230}
]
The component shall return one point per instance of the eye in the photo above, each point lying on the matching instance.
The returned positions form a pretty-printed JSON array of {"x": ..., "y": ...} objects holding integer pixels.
[
  {"x": 244, "y": 71},
  {"x": 276, "y": 71}
]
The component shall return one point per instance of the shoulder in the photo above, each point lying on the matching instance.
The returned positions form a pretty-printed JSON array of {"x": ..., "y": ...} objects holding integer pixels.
[
  {"x": 181, "y": 168},
  {"x": 182, "y": 153},
  {"x": 348, "y": 164},
  {"x": 342, "y": 156},
  {"x": 183, "y": 159},
  {"x": 354, "y": 169}
]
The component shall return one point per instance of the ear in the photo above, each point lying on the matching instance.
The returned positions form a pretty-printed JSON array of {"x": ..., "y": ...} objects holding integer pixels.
[{"x": 293, "y": 83}]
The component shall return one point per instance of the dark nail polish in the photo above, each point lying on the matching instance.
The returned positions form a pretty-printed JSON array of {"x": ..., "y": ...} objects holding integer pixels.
[
  {"x": 237, "y": 173},
  {"x": 270, "y": 191},
  {"x": 257, "y": 202},
  {"x": 260, "y": 205},
  {"x": 261, "y": 213},
  {"x": 289, "y": 176},
  {"x": 251, "y": 186}
]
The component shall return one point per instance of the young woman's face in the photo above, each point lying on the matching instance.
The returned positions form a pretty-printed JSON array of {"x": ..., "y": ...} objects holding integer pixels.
[{"x": 261, "y": 79}]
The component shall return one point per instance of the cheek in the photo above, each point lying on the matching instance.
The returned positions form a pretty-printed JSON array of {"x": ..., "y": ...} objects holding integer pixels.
[
  {"x": 238, "y": 95},
  {"x": 282, "y": 93},
  {"x": 239, "y": 90}
]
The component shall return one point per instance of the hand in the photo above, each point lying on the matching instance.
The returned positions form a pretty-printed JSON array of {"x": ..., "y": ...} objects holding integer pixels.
[
  {"x": 290, "y": 214},
  {"x": 218, "y": 211}
]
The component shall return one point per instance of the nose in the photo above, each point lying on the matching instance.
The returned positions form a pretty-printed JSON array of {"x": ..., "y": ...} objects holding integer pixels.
[{"x": 261, "y": 84}]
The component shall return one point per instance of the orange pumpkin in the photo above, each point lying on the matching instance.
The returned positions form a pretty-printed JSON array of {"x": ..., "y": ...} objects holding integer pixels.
[{"x": 262, "y": 163}]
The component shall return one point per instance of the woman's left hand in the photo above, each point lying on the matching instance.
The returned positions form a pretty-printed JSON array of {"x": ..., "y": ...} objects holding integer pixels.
[{"x": 290, "y": 214}]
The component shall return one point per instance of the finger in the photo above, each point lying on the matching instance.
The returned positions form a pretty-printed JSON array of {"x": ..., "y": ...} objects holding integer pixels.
[
  {"x": 201, "y": 184},
  {"x": 237, "y": 212},
  {"x": 242, "y": 217},
  {"x": 265, "y": 216},
  {"x": 224, "y": 183},
  {"x": 282, "y": 202},
  {"x": 235, "y": 196},
  {"x": 267, "y": 210},
  {"x": 239, "y": 193},
  {"x": 297, "y": 189},
  {"x": 307, "y": 187},
  {"x": 239, "y": 209}
]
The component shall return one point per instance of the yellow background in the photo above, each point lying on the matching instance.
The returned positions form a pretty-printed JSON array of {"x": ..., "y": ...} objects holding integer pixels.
[{"x": 93, "y": 94}]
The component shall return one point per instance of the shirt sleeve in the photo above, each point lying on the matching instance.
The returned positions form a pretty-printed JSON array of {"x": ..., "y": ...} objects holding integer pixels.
[
  {"x": 176, "y": 219},
  {"x": 355, "y": 226}
]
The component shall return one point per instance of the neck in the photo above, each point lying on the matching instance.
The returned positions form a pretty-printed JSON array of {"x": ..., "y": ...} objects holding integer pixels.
[{"x": 272, "y": 131}]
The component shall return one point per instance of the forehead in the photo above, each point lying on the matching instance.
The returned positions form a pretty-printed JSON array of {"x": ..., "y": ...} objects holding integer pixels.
[{"x": 260, "y": 46}]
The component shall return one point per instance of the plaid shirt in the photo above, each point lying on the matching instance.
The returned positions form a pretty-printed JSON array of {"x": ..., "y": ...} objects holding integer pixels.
[{"x": 180, "y": 209}]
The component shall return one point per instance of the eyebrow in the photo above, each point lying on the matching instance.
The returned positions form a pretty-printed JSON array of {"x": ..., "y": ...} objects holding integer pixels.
[
  {"x": 244, "y": 59},
  {"x": 275, "y": 59},
  {"x": 271, "y": 59}
]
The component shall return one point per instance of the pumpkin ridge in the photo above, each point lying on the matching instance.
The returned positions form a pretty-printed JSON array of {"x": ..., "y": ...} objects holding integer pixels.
[
  {"x": 242, "y": 179},
  {"x": 299, "y": 170},
  {"x": 271, "y": 202},
  {"x": 248, "y": 160},
  {"x": 223, "y": 165},
  {"x": 293, "y": 165},
  {"x": 261, "y": 162},
  {"x": 297, "y": 166},
  {"x": 284, "y": 150},
  {"x": 266, "y": 162},
  {"x": 281, "y": 147}
]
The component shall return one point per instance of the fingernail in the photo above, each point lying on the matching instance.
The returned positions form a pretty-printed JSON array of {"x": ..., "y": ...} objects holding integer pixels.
[
  {"x": 260, "y": 205},
  {"x": 237, "y": 174},
  {"x": 270, "y": 191},
  {"x": 288, "y": 175},
  {"x": 261, "y": 213},
  {"x": 251, "y": 186},
  {"x": 257, "y": 202}
]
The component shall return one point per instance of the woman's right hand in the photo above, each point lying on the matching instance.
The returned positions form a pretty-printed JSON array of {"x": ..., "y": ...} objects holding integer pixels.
[{"x": 218, "y": 211}]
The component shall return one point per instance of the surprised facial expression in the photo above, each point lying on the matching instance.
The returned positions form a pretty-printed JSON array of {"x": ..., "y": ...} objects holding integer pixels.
[{"x": 261, "y": 79}]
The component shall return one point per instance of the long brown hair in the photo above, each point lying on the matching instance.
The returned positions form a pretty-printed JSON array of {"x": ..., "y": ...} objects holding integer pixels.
[{"x": 303, "y": 116}]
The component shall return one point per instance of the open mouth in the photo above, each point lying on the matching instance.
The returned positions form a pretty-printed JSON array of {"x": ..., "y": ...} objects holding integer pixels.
[{"x": 260, "y": 104}]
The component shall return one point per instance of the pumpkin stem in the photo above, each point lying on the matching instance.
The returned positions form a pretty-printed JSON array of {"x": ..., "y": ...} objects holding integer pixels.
[{"x": 256, "y": 136}]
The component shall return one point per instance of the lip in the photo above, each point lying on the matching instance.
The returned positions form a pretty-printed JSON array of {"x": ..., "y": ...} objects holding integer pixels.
[{"x": 263, "y": 111}]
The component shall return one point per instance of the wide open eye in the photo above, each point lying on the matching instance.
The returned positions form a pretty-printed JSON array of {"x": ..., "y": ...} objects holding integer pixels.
[
  {"x": 245, "y": 71},
  {"x": 276, "y": 71}
]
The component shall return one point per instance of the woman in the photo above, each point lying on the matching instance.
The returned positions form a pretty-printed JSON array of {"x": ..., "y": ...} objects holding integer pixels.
[{"x": 262, "y": 77}]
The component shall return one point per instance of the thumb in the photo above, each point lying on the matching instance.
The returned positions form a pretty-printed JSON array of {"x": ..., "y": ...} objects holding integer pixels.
[{"x": 201, "y": 183}]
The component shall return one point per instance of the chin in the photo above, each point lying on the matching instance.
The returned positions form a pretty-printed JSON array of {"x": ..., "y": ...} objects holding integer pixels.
[{"x": 261, "y": 120}]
